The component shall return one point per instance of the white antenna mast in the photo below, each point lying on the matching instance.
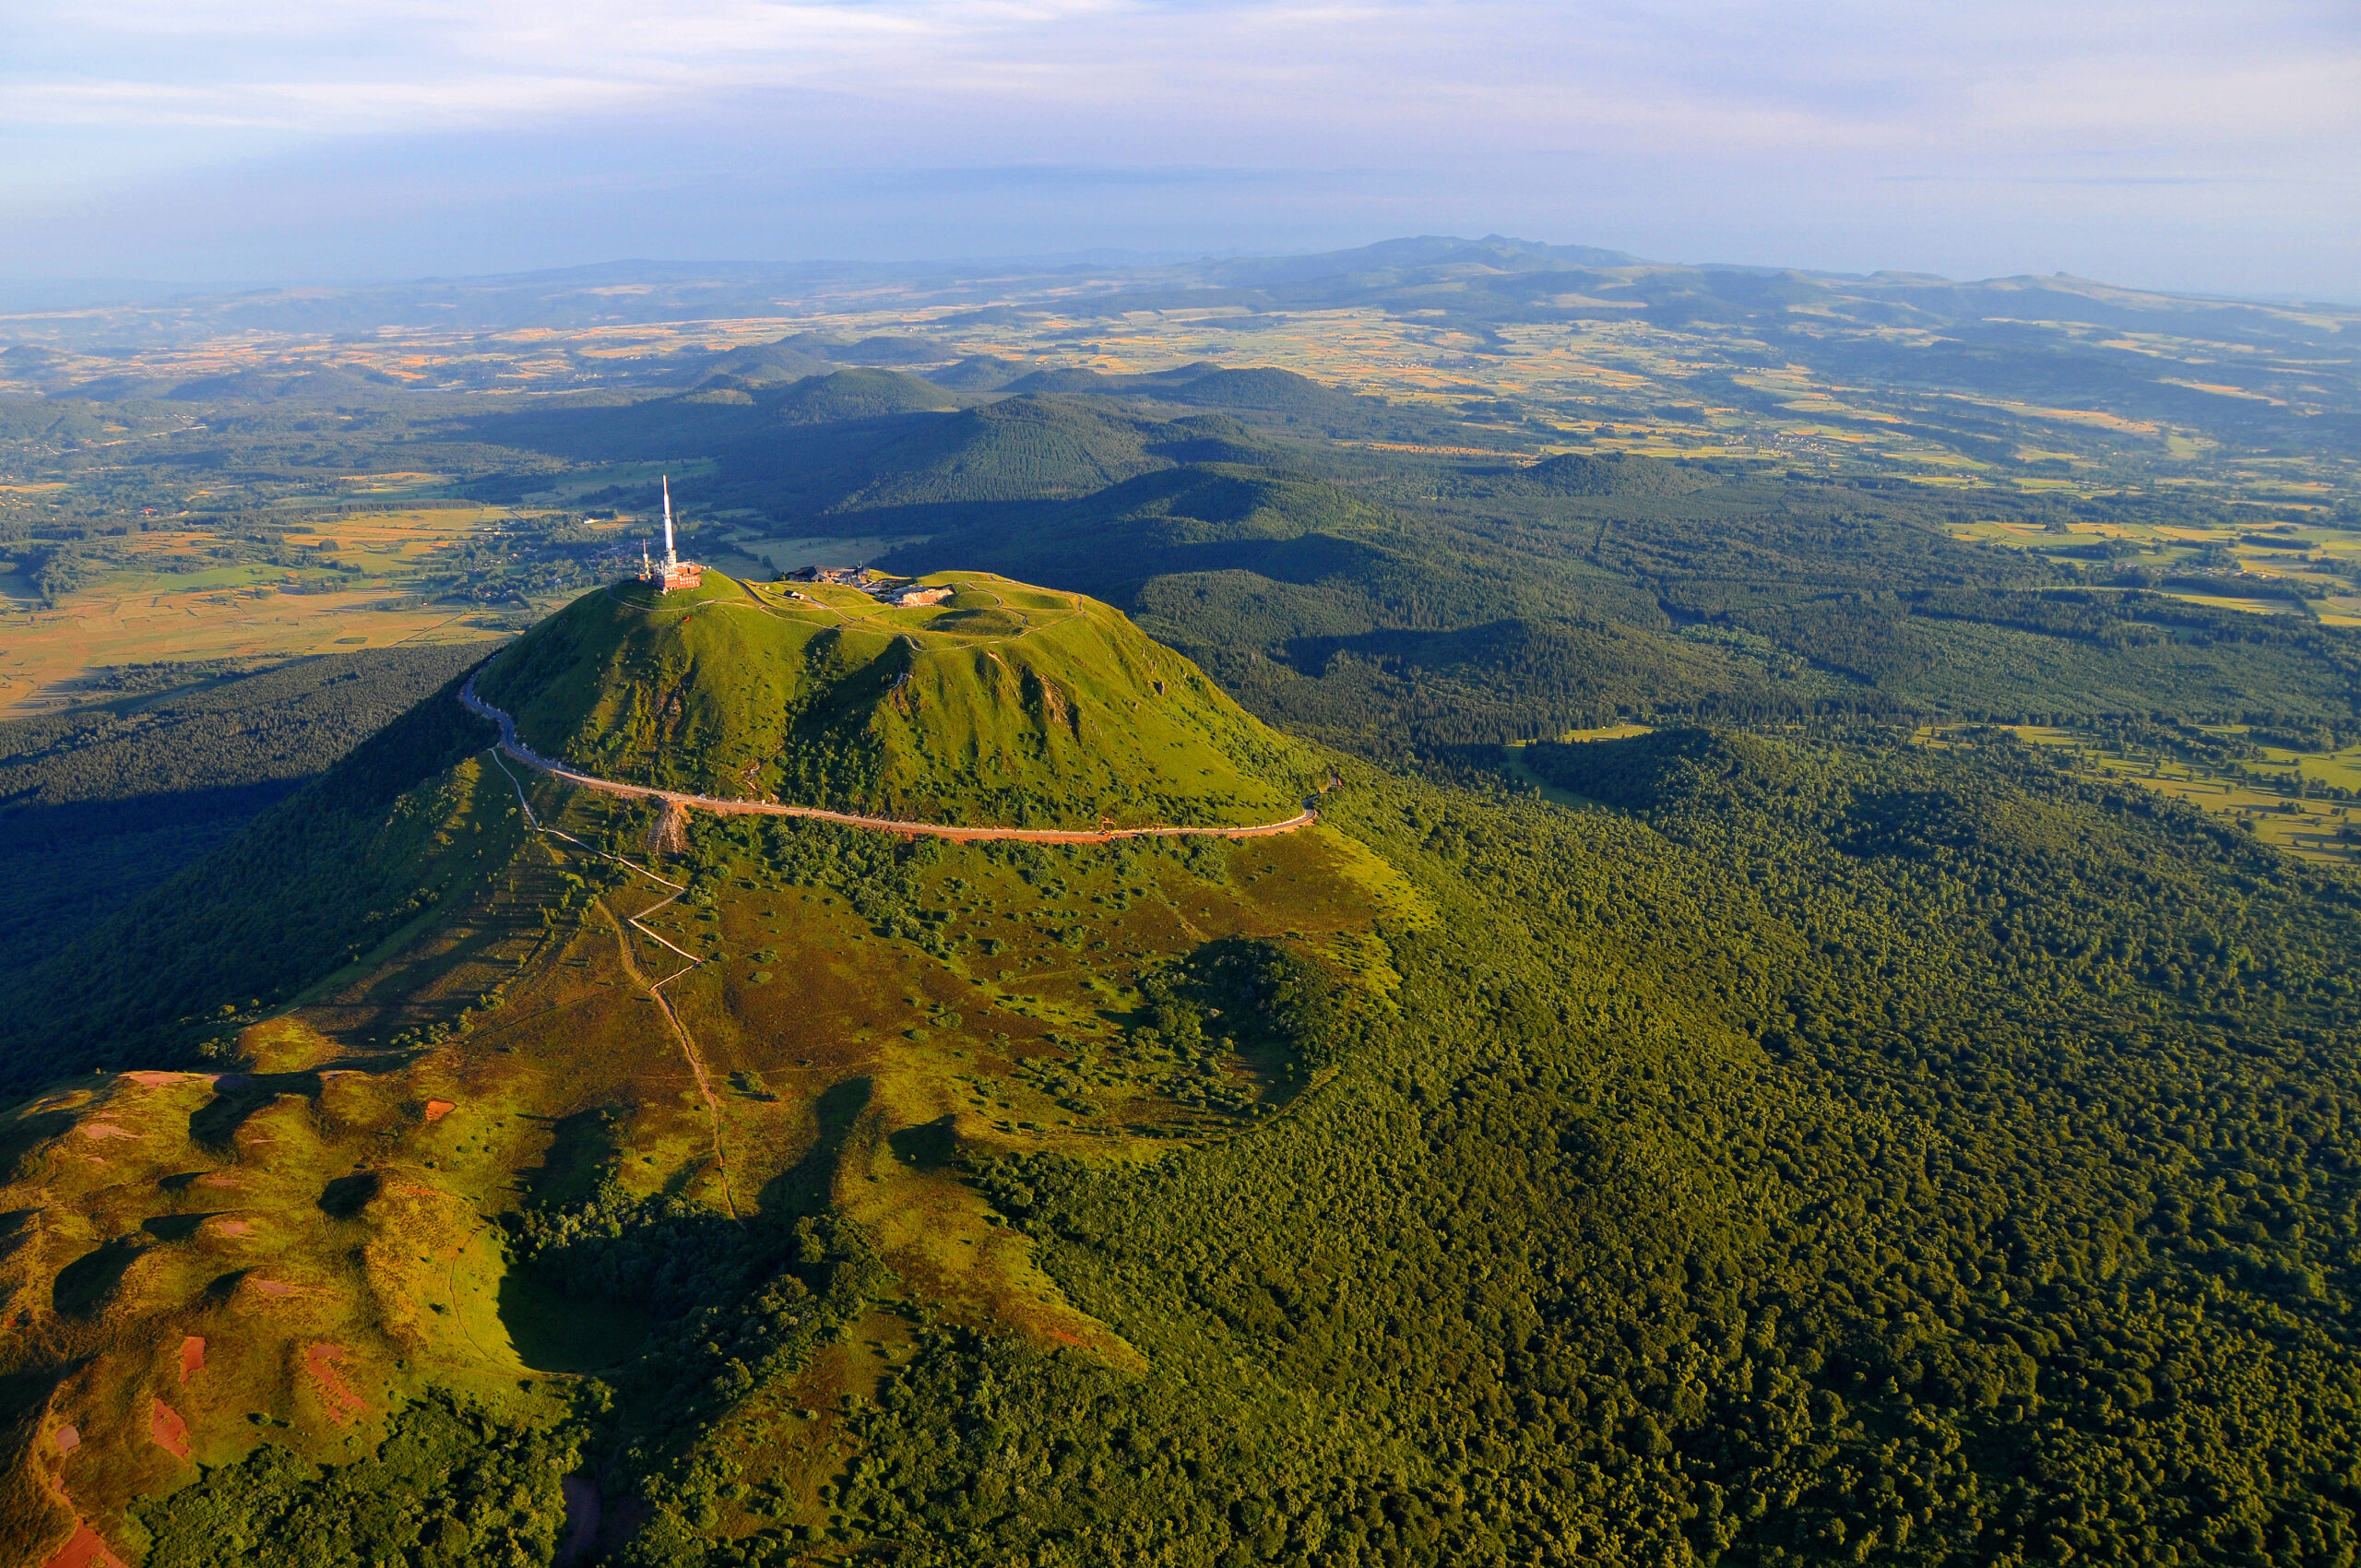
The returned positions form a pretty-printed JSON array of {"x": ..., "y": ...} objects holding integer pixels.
[{"x": 669, "y": 558}]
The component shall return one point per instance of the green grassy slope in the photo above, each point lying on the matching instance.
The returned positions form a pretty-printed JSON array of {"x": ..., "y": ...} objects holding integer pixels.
[
  {"x": 457, "y": 1166},
  {"x": 1003, "y": 706}
]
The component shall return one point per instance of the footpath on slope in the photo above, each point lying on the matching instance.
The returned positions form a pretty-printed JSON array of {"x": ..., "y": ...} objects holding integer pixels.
[
  {"x": 655, "y": 990},
  {"x": 517, "y": 748}
]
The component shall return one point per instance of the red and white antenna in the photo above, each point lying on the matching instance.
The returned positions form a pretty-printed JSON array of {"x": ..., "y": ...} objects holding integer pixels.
[{"x": 671, "y": 560}]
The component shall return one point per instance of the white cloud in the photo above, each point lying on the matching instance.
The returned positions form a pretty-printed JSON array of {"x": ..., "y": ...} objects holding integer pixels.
[
  {"x": 1819, "y": 107},
  {"x": 1833, "y": 73}
]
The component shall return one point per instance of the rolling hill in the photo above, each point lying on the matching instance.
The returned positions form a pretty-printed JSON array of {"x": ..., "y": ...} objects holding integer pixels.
[
  {"x": 858, "y": 395},
  {"x": 902, "y": 473}
]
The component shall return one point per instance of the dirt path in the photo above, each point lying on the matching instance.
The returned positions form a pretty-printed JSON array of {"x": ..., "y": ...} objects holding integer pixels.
[
  {"x": 719, "y": 807},
  {"x": 623, "y": 927}
]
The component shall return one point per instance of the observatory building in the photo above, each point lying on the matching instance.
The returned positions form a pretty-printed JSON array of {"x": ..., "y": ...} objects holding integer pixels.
[{"x": 672, "y": 571}]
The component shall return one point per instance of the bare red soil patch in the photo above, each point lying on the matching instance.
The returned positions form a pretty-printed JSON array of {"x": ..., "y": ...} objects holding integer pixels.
[
  {"x": 85, "y": 1548},
  {"x": 219, "y": 1179},
  {"x": 157, "y": 1080},
  {"x": 234, "y": 1227},
  {"x": 438, "y": 1109},
  {"x": 343, "y": 1404},
  {"x": 68, "y": 1438},
  {"x": 192, "y": 1356},
  {"x": 105, "y": 1130},
  {"x": 167, "y": 1429}
]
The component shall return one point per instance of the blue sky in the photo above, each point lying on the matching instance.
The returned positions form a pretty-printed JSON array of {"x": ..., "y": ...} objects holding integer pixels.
[{"x": 2197, "y": 147}]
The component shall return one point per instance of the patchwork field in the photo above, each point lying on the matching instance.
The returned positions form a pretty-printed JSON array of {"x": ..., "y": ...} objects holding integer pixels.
[{"x": 2306, "y": 802}]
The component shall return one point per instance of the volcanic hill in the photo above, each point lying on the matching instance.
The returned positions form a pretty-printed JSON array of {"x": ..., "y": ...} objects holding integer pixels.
[
  {"x": 1001, "y": 705},
  {"x": 460, "y": 1135}
]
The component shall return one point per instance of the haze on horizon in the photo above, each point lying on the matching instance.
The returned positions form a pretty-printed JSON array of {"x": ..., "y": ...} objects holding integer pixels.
[{"x": 2185, "y": 146}]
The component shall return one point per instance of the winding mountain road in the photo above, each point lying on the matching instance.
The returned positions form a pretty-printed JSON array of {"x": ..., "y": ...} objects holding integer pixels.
[{"x": 510, "y": 743}]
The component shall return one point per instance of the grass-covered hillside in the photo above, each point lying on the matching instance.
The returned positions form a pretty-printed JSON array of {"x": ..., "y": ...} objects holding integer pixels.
[{"x": 1003, "y": 706}]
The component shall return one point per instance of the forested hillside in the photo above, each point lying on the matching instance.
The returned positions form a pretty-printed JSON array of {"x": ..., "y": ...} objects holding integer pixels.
[
  {"x": 1828, "y": 1150},
  {"x": 1839, "y": 1154},
  {"x": 102, "y": 802}
]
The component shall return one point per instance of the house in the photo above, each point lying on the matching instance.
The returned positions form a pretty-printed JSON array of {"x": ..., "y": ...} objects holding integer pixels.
[{"x": 841, "y": 576}]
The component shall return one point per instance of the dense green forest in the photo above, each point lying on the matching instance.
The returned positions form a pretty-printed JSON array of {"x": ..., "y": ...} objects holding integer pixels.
[{"x": 1839, "y": 1154}]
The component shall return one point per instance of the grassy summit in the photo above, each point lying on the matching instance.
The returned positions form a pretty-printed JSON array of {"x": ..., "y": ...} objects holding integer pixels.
[{"x": 1003, "y": 705}]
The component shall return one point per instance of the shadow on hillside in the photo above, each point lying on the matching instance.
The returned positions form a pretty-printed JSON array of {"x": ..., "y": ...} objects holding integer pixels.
[
  {"x": 581, "y": 1146},
  {"x": 809, "y": 1185},
  {"x": 85, "y": 1285},
  {"x": 237, "y": 1096},
  {"x": 930, "y": 1145},
  {"x": 557, "y": 1330}
]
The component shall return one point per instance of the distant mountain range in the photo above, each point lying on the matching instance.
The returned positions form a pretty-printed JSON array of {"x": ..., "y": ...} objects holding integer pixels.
[{"x": 1495, "y": 278}]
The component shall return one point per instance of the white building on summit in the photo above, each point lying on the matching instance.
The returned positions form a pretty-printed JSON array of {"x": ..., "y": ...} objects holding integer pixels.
[{"x": 672, "y": 571}]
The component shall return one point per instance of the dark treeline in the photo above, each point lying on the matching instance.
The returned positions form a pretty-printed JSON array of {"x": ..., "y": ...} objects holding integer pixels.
[
  {"x": 327, "y": 874},
  {"x": 100, "y": 803}
]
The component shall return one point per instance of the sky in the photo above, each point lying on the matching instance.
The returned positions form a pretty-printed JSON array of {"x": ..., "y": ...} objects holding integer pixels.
[{"x": 2204, "y": 148}]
